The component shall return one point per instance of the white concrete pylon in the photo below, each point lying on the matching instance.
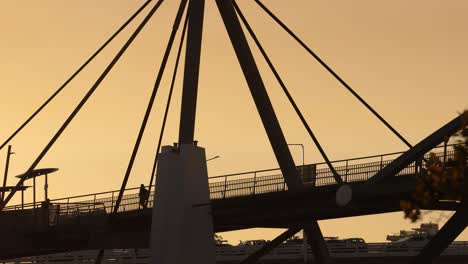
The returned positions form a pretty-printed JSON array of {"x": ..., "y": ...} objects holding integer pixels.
[{"x": 182, "y": 225}]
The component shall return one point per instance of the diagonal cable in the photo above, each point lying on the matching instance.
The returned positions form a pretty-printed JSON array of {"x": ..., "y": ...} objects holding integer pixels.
[
  {"x": 169, "y": 97},
  {"x": 291, "y": 33},
  {"x": 75, "y": 74},
  {"x": 285, "y": 89},
  {"x": 175, "y": 27},
  {"x": 84, "y": 100}
]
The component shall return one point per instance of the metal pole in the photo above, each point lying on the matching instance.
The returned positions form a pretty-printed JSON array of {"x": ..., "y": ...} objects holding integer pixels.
[
  {"x": 34, "y": 192},
  {"x": 7, "y": 165},
  {"x": 22, "y": 197},
  {"x": 255, "y": 182},
  {"x": 445, "y": 149},
  {"x": 225, "y": 187},
  {"x": 112, "y": 200},
  {"x": 303, "y": 160},
  {"x": 346, "y": 174},
  {"x": 46, "y": 187}
]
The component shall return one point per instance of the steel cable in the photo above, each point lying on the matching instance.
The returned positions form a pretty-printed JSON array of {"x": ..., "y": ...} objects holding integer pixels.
[
  {"x": 150, "y": 103},
  {"x": 83, "y": 101},
  {"x": 291, "y": 33},
  {"x": 75, "y": 74},
  {"x": 285, "y": 89},
  {"x": 169, "y": 97}
]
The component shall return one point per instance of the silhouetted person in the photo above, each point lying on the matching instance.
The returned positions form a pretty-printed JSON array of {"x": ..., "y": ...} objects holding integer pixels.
[{"x": 144, "y": 195}]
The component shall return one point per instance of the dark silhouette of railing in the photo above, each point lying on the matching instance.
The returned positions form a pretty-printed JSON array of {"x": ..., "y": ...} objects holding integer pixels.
[{"x": 239, "y": 184}]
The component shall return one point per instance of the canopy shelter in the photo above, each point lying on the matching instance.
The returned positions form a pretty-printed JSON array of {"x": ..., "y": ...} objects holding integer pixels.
[{"x": 36, "y": 173}]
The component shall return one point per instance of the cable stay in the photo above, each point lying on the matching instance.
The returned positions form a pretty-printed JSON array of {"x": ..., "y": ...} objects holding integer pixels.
[
  {"x": 346, "y": 85},
  {"x": 151, "y": 102},
  {"x": 84, "y": 100},
  {"x": 161, "y": 134},
  {"x": 285, "y": 89},
  {"x": 75, "y": 74}
]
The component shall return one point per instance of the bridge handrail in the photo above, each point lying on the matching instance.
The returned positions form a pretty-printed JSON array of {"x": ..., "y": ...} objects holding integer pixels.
[
  {"x": 322, "y": 163},
  {"x": 245, "y": 186}
]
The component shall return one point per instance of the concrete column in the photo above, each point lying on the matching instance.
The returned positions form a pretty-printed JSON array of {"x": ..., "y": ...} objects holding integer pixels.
[{"x": 182, "y": 226}]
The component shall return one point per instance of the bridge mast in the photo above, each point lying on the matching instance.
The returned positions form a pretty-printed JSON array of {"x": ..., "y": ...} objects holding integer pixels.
[
  {"x": 182, "y": 225},
  {"x": 191, "y": 72}
]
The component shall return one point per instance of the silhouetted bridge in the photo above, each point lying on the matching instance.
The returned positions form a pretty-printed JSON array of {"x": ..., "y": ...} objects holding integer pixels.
[{"x": 243, "y": 200}]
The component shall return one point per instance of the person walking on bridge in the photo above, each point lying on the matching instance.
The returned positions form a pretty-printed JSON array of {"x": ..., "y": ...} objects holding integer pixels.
[{"x": 144, "y": 195}]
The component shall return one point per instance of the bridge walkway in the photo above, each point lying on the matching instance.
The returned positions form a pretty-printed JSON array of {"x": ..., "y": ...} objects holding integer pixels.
[{"x": 235, "y": 185}]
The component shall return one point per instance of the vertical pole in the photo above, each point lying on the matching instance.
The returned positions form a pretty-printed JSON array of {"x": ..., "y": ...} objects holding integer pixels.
[
  {"x": 7, "y": 165},
  {"x": 112, "y": 200},
  {"x": 255, "y": 182},
  {"x": 191, "y": 72},
  {"x": 303, "y": 164},
  {"x": 445, "y": 149},
  {"x": 46, "y": 187},
  {"x": 22, "y": 196},
  {"x": 34, "y": 203},
  {"x": 34, "y": 192},
  {"x": 346, "y": 173},
  {"x": 225, "y": 187}
]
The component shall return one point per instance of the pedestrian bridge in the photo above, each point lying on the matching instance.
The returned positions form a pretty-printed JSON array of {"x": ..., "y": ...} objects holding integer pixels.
[
  {"x": 238, "y": 201},
  {"x": 244, "y": 184}
]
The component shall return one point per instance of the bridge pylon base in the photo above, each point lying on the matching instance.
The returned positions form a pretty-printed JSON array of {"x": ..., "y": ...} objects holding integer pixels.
[{"x": 182, "y": 225}]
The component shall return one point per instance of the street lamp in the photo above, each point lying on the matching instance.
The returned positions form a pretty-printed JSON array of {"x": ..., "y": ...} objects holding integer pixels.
[
  {"x": 36, "y": 173},
  {"x": 6, "y": 170},
  {"x": 302, "y": 146}
]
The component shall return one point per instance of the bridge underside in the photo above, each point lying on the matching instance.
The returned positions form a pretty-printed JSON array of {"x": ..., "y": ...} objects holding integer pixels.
[{"x": 132, "y": 229}]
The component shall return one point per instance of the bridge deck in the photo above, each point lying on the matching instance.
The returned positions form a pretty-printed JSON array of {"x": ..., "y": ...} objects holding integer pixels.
[
  {"x": 236, "y": 185},
  {"x": 238, "y": 201}
]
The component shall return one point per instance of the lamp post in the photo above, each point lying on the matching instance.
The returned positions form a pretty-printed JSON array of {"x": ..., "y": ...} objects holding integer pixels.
[
  {"x": 36, "y": 173},
  {"x": 302, "y": 146},
  {"x": 6, "y": 170}
]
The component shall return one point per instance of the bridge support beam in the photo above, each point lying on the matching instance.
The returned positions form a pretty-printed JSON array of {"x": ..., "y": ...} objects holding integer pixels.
[
  {"x": 454, "y": 226},
  {"x": 265, "y": 109},
  {"x": 418, "y": 150},
  {"x": 255, "y": 257},
  {"x": 191, "y": 73},
  {"x": 182, "y": 225},
  {"x": 259, "y": 94},
  {"x": 318, "y": 246}
]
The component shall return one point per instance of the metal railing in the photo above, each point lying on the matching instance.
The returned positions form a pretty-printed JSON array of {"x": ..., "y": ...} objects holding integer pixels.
[{"x": 235, "y": 185}]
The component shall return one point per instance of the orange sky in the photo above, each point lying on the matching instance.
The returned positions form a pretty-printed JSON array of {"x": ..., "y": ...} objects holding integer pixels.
[{"x": 408, "y": 59}]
